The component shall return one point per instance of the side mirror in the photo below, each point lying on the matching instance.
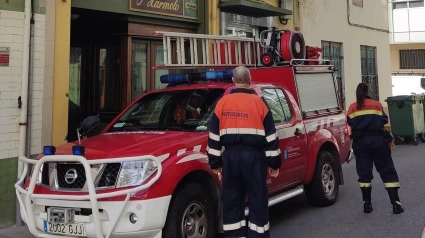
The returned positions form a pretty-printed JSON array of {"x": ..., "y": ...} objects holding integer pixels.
[{"x": 89, "y": 124}]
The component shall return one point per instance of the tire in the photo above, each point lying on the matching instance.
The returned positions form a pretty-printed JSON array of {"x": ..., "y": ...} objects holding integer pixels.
[
  {"x": 422, "y": 137},
  {"x": 315, "y": 191},
  {"x": 267, "y": 59},
  {"x": 192, "y": 197},
  {"x": 398, "y": 140},
  {"x": 415, "y": 140}
]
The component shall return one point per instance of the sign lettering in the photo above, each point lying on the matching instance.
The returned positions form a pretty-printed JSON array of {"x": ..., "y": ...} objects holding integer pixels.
[
  {"x": 179, "y": 8},
  {"x": 4, "y": 56}
]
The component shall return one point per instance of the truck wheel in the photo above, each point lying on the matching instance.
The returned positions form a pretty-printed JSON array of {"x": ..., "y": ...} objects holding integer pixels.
[
  {"x": 191, "y": 214},
  {"x": 415, "y": 140},
  {"x": 323, "y": 189}
]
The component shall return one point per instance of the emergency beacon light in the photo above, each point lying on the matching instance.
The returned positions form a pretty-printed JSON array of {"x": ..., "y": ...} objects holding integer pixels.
[
  {"x": 78, "y": 150},
  {"x": 176, "y": 79},
  {"x": 49, "y": 150}
]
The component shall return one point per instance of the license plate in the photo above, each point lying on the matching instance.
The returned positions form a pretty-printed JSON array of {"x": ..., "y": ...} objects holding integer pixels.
[{"x": 72, "y": 229}]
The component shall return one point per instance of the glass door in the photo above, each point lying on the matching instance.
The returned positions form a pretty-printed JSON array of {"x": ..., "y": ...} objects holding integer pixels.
[
  {"x": 158, "y": 56},
  {"x": 74, "y": 107},
  {"x": 139, "y": 69},
  {"x": 107, "y": 83}
]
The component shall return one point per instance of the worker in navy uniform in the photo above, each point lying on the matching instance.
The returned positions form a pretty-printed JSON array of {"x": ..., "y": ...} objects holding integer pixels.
[
  {"x": 243, "y": 124},
  {"x": 371, "y": 145}
]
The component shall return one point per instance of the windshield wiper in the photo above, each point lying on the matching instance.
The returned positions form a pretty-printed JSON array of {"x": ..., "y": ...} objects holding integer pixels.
[{"x": 162, "y": 127}]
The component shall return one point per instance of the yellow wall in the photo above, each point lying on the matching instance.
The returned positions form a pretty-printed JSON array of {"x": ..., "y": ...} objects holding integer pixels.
[
  {"x": 61, "y": 72},
  {"x": 214, "y": 19},
  {"x": 395, "y": 57}
]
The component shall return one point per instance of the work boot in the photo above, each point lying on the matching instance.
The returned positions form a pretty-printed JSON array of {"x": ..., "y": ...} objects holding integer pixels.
[
  {"x": 367, "y": 199},
  {"x": 395, "y": 200}
]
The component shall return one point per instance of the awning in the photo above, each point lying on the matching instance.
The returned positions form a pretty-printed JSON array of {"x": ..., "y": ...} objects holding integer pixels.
[{"x": 252, "y": 8}]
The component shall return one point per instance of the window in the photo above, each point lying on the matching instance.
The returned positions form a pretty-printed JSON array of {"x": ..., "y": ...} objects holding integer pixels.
[
  {"x": 278, "y": 105},
  {"x": 401, "y": 4},
  {"x": 416, "y": 4},
  {"x": 159, "y": 59},
  {"x": 369, "y": 70},
  {"x": 407, "y": 21},
  {"x": 285, "y": 105},
  {"x": 317, "y": 93},
  {"x": 412, "y": 59},
  {"x": 139, "y": 70},
  {"x": 189, "y": 110},
  {"x": 107, "y": 83},
  {"x": 358, "y": 3},
  {"x": 333, "y": 51}
]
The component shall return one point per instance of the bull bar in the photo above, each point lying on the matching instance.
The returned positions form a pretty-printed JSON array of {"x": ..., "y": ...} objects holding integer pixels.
[{"x": 27, "y": 207}]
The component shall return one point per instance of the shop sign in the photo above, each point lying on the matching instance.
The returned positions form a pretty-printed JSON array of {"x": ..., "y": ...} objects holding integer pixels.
[
  {"x": 178, "y": 8},
  {"x": 4, "y": 56}
]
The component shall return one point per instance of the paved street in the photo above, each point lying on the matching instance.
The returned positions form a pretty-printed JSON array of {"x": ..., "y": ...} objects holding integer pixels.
[{"x": 295, "y": 218}]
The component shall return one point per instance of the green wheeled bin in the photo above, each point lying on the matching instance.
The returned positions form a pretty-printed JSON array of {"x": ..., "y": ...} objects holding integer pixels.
[{"x": 407, "y": 118}]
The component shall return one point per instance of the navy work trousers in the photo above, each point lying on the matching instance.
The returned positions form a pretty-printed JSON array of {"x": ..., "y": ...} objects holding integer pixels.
[
  {"x": 371, "y": 150},
  {"x": 245, "y": 173}
]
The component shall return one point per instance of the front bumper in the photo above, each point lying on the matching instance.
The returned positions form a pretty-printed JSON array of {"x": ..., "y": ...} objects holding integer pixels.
[
  {"x": 151, "y": 216},
  {"x": 107, "y": 219}
]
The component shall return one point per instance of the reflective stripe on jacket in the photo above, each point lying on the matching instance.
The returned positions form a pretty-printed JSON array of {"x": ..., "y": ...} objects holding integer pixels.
[
  {"x": 369, "y": 118},
  {"x": 242, "y": 118}
]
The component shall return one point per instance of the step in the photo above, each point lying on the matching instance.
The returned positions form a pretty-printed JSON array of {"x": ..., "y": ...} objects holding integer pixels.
[{"x": 282, "y": 197}]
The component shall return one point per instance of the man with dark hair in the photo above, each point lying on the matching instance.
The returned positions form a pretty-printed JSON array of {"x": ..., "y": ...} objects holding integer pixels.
[{"x": 243, "y": 126}]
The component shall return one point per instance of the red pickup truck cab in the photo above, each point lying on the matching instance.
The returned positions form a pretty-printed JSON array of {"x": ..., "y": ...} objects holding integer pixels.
[{"x": 147, "y": 174}]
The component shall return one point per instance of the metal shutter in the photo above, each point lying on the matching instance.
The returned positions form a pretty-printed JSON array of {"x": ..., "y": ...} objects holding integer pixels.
[{"x": 316, "y": 91}]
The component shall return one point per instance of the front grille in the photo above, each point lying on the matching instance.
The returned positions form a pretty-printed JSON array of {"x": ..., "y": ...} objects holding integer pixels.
[
  {"x": 71, "y": 176},
  {"x": 109, "y": 175},
  {"x": 45, "y": 174}
]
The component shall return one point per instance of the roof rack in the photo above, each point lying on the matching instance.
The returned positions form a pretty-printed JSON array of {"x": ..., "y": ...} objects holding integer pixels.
[
  {"x": 214, "y": 52},
  {"x": 202, "y": 51}
]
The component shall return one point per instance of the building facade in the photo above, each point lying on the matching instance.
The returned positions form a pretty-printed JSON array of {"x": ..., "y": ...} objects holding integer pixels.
[
  {"x": 112, "y": 51},
  {"x": 353, "y": 34},
  {"x": 12, "y": 65},
  {"x": 407, "y": 37}
]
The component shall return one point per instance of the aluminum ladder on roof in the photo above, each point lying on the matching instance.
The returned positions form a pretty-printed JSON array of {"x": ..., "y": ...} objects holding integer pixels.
[{"x": 205, "y": 51}]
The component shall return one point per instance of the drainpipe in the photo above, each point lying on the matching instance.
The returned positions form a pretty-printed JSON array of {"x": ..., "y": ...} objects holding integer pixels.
[
  {"x": 30, "y": 82},
  {"x": 23, "y": 119},
  {"x": 361, "y": 26},
  {"x": 390, "y": 20},
  {"x": 301, "y": 15}
]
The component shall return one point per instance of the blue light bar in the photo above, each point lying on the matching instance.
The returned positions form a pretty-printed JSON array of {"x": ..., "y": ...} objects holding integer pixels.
[
  {"x": 49, "y": 150},
  {"x": 176, "y": 79},
  {"x": 78, "y": 150}
]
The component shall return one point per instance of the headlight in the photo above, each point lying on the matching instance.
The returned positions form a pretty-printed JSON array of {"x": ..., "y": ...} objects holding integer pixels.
[
  {"x": 40, "y": 174},
  {"x": 135, "y": 173}
]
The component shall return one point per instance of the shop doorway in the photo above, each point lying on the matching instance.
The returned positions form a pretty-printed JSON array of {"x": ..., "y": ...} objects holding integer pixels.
[{"x": 145, "y": 54}]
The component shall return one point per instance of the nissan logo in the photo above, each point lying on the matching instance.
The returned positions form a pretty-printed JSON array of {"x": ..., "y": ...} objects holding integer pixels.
[{"x": 70, "y": 176}]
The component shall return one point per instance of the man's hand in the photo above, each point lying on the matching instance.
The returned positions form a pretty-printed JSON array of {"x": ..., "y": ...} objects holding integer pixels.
[
  {"x": 218, "y": 172},
  {"x": 273, "y": 173}
]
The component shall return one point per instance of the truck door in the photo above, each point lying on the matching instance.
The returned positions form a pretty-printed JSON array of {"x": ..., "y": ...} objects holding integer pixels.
[{"x": 292, "y": 137}]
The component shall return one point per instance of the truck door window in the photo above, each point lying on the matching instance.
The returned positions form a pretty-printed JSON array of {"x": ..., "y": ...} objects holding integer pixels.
[
  {"x": 272, "y": 99},
  {"x": 284, "y": 102},
  {"x": 188, "y": 110}
]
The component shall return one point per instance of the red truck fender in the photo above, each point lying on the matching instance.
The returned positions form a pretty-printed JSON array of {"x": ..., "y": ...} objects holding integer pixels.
[
  {"x": 320, "y": 140},
  {"x": 175, "y": 170}
]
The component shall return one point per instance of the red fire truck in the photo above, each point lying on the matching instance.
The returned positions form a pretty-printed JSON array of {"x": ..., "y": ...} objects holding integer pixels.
[{"x": 147, "y": 174}]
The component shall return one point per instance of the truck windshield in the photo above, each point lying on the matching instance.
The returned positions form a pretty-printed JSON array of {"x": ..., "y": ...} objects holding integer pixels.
[{"x": 188, "y": 110}]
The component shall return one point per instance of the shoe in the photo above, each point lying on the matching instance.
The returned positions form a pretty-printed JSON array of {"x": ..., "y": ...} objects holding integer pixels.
[
  {"x": 367, "y": 199},
  {"x": 395, "y": 200}
]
